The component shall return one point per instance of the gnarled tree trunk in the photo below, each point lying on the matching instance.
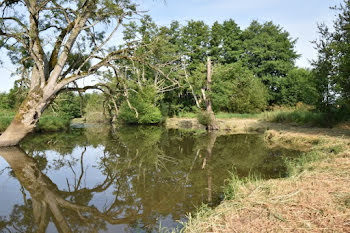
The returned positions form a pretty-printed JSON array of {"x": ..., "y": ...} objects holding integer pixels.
[{"x": 27, "y": 116}]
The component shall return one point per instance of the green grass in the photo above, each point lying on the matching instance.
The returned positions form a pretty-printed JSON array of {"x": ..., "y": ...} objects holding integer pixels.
[
  {"x": 233, "y": 184},
  {"x": 187, "y": 115},
  {"x": 47, "y": 123},
  {"x": 222, "y": 115},
  {"x": 225, "y": 115},
  {"x": 6, "y": 117},
  {"x": 299, "y": 117}
]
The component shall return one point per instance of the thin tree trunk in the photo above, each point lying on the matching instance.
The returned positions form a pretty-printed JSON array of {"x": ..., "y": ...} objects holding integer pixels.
[{"x": 212, "y": 122}]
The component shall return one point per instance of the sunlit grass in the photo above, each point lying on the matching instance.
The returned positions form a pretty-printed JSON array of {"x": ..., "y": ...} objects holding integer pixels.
[
  {"x": 47, "y": 123},
  {"x": 6, "y": 117},
  {"x": 297, "y": 116},
  {"x": 225, "y": 115}
]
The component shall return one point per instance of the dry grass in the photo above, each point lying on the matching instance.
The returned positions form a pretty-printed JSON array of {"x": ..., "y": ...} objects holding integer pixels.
[
  {"x": 314, "y": 199},
  {"x": 233, "y": 125}
]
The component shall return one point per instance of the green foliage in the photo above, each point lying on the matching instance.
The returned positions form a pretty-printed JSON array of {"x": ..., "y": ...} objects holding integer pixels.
[
  {"x": 144, "y": 103},
  {"x": 195, "y": 39},
  {"x": 14, "y": 98},
  {"x": 203, "y": 118},
  {"x": 269, "y": 50},
  {"x": 47, "y": 123},
  {"x": 232, "y": 43},
  {"x": 299, "y": 116},
  {"x": 94, "y": 102},
  {"x": 309, "y": 117},
  {"x": 269, "y": 53},
  {"x": 4, "y": 101},
  {"x": 67, "y": 106},
  {"x": 52, "y": 124},
  {"x": 298, "y": 86},
  {"x": 332, "y": 65},
  {"x": 235, "y": 89},
  {"x": 225, "y": 115},
  {"x": 6, "y": 117}
]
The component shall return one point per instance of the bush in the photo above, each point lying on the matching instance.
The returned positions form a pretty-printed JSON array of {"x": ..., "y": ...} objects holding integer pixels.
[
  {"x": 235, "y": 89},
  {"x": 52, "y": 124},
  {"x": 203, "y": 118},
  {"x": 298, "y": 86},
  {"x": 143, "y": 101},
  {"x": 68, "y": 106}
]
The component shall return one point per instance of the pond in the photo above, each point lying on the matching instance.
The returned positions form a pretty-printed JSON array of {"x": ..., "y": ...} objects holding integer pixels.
[{"x": 133, "y": 179}]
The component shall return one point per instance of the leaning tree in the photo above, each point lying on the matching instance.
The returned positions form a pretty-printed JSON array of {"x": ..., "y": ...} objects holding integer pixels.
[{"x": 59, "y": 42}]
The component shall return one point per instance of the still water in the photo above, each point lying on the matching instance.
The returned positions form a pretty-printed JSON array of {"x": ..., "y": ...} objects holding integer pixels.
[{"x": 134, "y": 179}]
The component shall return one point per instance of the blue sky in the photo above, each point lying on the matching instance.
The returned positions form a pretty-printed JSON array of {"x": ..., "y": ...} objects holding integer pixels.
[{"x": 298, "y": 17}]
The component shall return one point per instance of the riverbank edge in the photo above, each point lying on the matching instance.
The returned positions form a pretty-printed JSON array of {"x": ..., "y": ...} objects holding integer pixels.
[{"x": 315, "y": 197}]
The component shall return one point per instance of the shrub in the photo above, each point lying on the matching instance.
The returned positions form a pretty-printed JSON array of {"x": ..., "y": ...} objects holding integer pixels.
[
  {"x": 52, "y": 124},
  {"x": 235, "y": 89},
  {"x": 144, "y": 102},
  {"x": 203, "y": 118},
  {"x": 68, "y": 106}
]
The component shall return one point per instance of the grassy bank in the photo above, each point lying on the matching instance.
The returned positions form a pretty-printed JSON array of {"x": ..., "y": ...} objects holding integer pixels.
[
  {"x": 47, "y": 123},
  {"x": 314, "y": 198},
  {"x": 292, "y": 115},
  {"x": 224, "y": 115}
]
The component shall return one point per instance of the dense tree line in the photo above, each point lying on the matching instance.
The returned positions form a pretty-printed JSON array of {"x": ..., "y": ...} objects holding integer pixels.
[{"x": 252, "y": 69}]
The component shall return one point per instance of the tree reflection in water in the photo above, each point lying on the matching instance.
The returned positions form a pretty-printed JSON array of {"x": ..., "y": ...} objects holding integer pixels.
[{"x": 96, "y": 180}]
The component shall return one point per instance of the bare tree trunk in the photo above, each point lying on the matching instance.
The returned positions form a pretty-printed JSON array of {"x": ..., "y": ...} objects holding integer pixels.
[
  {"x": 26, "y": 117},
  {"x": 212, "y": 122}
]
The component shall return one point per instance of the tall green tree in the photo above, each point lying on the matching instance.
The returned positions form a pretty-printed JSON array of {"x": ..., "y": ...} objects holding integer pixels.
[
  {"x": 269, "y": 52},
  {"x": 215, "y": 43},
  {"x": 232, "y": 44},
  {"x": 332, "y": 67},
  {"x": 195, "y": 36}
]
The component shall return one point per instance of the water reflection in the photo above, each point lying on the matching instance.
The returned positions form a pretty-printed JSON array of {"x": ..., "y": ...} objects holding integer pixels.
[{"x": 131, "y": 180}]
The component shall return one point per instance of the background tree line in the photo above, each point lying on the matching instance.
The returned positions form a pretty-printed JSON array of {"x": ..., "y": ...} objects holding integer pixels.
[{"x": 253, "y": 70}]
